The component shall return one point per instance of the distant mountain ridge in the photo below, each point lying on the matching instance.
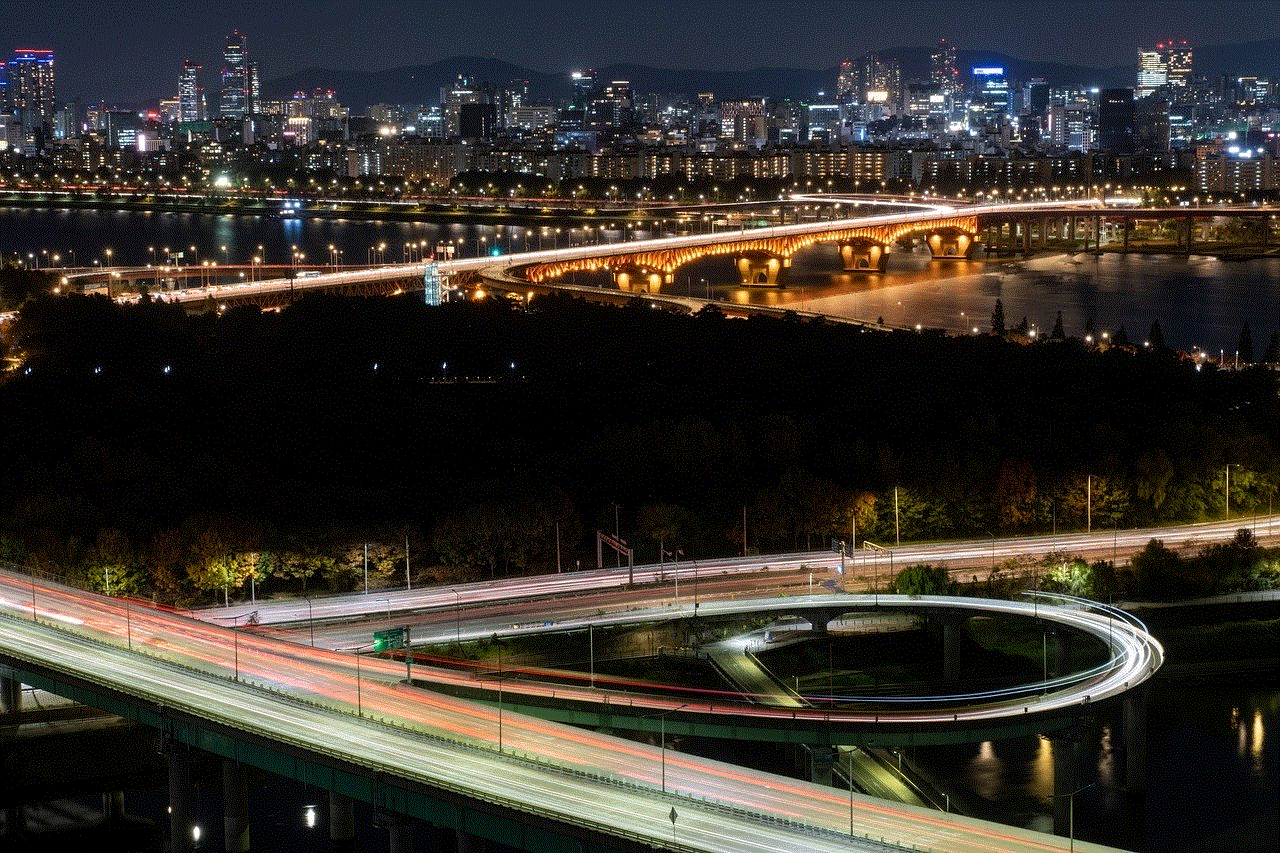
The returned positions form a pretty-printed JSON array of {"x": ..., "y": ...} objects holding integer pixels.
[{"x": 421, "y": 84}]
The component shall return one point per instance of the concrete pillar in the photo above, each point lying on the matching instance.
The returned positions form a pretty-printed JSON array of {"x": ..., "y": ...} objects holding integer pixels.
[
  {"x": 952, "y": 625},
  {"x": 181, "y": 799},
  {"x": 822, "y": 760},
  {"x": 15, "y": 820},
  {"x": 465, "y": 843},
  {"x": 1058, "y": 654},
  {"x": 235, "y": 807},
  {"x": 1064, "y": 782},
  {"x": 1135, "y": 742},
  {"x": 10, "y": 695},
  {"x": 342, "y": 821},
  {"x": 1190, "y": 234},
  {"x": 863, "y": 257},
  {"x": 113, "y": 806},
  {"x": 1071, "y": 228},
  {"x": 1026, "y": 236},
  {"x": 1125, "y": 224}
]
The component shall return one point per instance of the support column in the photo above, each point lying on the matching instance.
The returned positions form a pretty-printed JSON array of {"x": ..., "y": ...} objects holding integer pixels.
[
  {"x": 10, "y": 695},
  {"x": 822, "y": 760},
  {"x": 1190, "y": 234},
  {"x": 181, "y": 799},
  {"x": 1058, "y": 660},
  {"x": 113, "y": 807},
  {"x": 235, "y": 807},
  {"x": 342, "y": 822},
  {"x": 1135, "y": 742},
  {"x": 1026, "y": 236},
  {"x": 1124, "y": 223},
  {"x": 1064, "y": 781},
  {"x": 952, "y": 625}
]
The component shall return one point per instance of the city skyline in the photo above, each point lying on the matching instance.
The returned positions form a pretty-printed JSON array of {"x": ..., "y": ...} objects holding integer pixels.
[{"x": 116, "y": 56}]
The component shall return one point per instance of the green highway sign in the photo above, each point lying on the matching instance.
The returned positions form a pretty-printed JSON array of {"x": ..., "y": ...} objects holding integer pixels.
[{"x": 385, "y": 641}]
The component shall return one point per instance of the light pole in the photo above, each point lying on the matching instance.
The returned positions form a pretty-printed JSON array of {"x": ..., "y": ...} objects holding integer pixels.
[
  {"x": 1071, "y": 814},
  {"x": 359, "y": 702},
  {"x": 311, "y": 625},
  {"x": 662, "y": 739},
  {"x": 457, "y": 619}
]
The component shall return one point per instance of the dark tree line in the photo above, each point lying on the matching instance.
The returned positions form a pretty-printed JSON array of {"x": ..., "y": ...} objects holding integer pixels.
[{"x": 194, "y": 452}]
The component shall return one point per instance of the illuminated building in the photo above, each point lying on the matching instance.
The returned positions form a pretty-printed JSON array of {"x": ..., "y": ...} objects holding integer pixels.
[
  {"x": 1152, "y": 72},
  {"x": 31, "y": 88},
  {"x": 1116, "y": 121},
  {"x": 943, "y": 67},
  {"x": 1177, "y": 63},
  {"x": 190, "y": 95},
  {"x": 237, "y": 83}
]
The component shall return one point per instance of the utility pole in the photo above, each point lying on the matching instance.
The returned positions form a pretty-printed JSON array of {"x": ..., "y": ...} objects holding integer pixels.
[
  {"x": 897, "y": 539},
  {"x": 1088, "y": 503},
  {"x": 744, "y": 530},
  {"x": 408, "y": 581}
]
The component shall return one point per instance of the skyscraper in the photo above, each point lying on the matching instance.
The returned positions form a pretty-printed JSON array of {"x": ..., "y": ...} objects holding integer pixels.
[
  {"x": 1116, "y": 121},
  {"x": 236, "y": 98},
  {"x": 1177, "y": 63},
  {"x": 1152, "y": 72},
  {"x": 846, "y": 83},
  {"x": 944, "y": 71},
  {"x": 31, "y": 90},
  {"x": 190, "y": 95}
]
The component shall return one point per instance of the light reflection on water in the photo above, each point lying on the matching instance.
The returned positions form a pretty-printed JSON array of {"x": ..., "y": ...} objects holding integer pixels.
[{"x": 1198, "y": 301}]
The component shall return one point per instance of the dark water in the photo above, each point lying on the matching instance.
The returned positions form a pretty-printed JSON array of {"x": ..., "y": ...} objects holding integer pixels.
[
  {"x": 1199, "y": 301},
  {"x": 1212, "y": 783}
]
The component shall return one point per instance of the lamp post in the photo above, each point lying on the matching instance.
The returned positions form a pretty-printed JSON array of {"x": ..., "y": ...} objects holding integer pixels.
[
  {"x": 1071, "y": 814},
  {"x": 457, "y": 619},
  {"x": 311, "y": 625},
  {"x": 662, "y": 740},
  {"x": 359, "y": 701}
]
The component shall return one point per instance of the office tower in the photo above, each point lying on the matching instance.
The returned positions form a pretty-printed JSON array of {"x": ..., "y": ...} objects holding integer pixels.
[
  {"x": 463, "y": 91},
  {"x": 944, "y": 71},
  {"x": 236, "y": 80},
  {"x": 1177, "y": 63},
  {"x": 846, "y": 83},
  {"x": 991, "y": 95},
  {"x": 190, "y": 95},
  {"x": 1152, "y": 72},
  {"x": 1116, "y": 121},
  {"x": 881, "y": 80},
  {"x": 31, "y": 87}
]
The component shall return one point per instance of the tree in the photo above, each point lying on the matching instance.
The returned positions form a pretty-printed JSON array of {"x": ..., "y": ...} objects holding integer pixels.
[
  {"x": 1272, "y": 355},
  {"x": 924, "y": 579},
  {"x": 997, "y": 319},
  {"x": 1156, "y": 337},
  {"x": 1058, "y": 334},
  {"x": 1245, "y": 345},
  {"x": 1156, "y": 570},
  {"x": 1120, "y": 338}
]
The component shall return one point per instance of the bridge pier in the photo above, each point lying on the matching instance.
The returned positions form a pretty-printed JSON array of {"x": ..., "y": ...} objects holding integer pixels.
[
  {"x": 766, "y": 271},
  {"x": 235, "y": 807},
  {"x": 822, "y": 762},
  {"x": 1058, "y": 665},
  {"x": 10, "y": 695},
  {"x": 1135, "y": 742},
  {"x": 952, "y": 626},
  {"x": 342, "y": 821},
  {"x": 1065, "y": 751},
  {"x": 181, "y": 798},
  {"x": 864, "y": 257},
  {"x": 951, "y": 244}
]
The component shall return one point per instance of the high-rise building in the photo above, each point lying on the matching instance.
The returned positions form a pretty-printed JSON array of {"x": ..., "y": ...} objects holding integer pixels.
[
  {"x": 1152, "y": 72},
  {"x": 1177, "y": 63},
  {"x": 944, "y": 73},
  {"x": 31, "y": 90},
  {"x": 846, "y": 83},
  {"x": 190, "y": 94},
  {"x": 463, "y": 91},
  {"x": 237, "y": 83},
  {"x": 991, "y": 95},
  {"x": 881, "y": 80},
  {"x": 1116, "y": 121}
]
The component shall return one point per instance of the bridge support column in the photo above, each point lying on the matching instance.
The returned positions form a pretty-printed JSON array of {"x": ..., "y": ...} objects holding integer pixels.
[
  {"x": 10, "y": 695},
  {"x": 952, "y": 626},
  {"x": 1191, "y": 230},
  {"x": 235, "y": 807},
  {"x": 113, "y": 807},
  {"x": 342, "y": 821},
  {"x": 1026, "y": 236},
  {"x": 756, "y": 271},
  {"x": 1135, "y": 742},
  {"x": 949, "y": 245},
  {"x": 1058, "y": 661},
  {"x": 181, "y": 799},
  {"x": 864, "y": 257},
  {"x": 1125, "y": 224},
  {"x": 822, "y": 761},
  {"x": 1064, "y": 782}
]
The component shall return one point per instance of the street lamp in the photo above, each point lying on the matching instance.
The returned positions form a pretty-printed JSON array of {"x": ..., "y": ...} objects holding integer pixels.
[
  {"x": 662, "y": 739},
  {"x": 457, "y": 619},
  {"x": 251, "y": 618},
  {"x": 311, "y": 625},
  {"x": 1071, "y": 814}
]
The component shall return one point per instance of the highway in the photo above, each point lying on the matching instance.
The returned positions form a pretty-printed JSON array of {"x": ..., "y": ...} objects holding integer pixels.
[
  {"x": 252, "y": 681},
  {"x": 867, "y": 568}
]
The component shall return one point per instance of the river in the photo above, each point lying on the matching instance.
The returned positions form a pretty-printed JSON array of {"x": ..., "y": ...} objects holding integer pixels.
[{"x": 1199, "y": 301}]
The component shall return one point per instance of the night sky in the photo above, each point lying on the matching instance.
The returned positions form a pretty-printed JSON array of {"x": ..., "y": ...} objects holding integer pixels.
[{"x": 134, "y": 50}]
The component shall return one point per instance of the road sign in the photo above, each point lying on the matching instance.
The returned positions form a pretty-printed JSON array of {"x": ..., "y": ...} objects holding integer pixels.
[
  {"x": 673, "y": 815},
  {"x": 388, "y": 640}
]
